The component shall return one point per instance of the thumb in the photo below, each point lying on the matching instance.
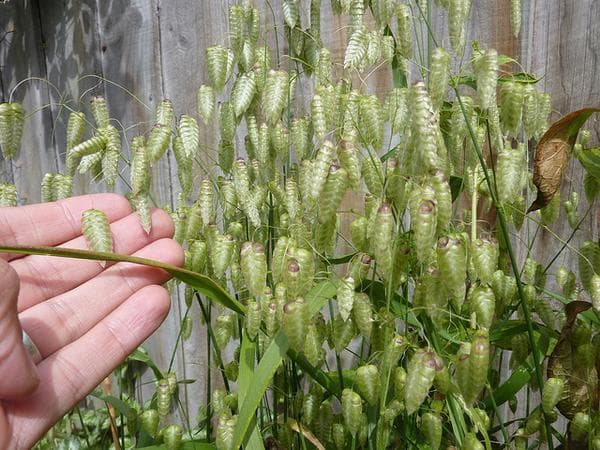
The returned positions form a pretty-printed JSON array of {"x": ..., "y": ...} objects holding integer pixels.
[{"x": 19, "y": 374}]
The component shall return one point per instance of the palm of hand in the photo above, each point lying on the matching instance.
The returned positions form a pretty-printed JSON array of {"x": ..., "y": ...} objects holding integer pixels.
[{"x": 84, "y": 320}]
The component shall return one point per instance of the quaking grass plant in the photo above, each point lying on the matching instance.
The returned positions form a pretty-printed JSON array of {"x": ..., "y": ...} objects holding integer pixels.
[{"x": 392, "y": 331}]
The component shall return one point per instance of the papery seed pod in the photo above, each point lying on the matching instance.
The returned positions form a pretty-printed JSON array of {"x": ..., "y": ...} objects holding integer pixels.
[
  {"x": 291, "y": 12},
  {"x": 345, "y": 297},
  {"x": 219, "y": 63},
  {"x": 580, "y": 426},
  {"x": 95, "y": 144},
  {"x": 485, "y": 68},
  {"x": 367, "y": 383},
  {"x": 194, "y": 221},
  {"x": 150, "y": 420},
  {"x": 163, "y": 398},
  {"x": 227, "y": 122},
  {"x": 321, "y": 165},
  {"x": 275, "y": 95},
  {"x": 253, "y": 319},
  {"x": 442, "y": 380},
  {"x": 206, "y": 103},
  {"x": 479, "y": 357},
  {"x": 295, "y": 323},
  {"x": 515, "y": 16},
  {"x": 292, "y": 278},
  {"x": 190, "y": 135},
  {"x": 224, "y": 433},
  {"x": 278, "y": 258},
  {"x": 452, "y": 260},
  {"x": 470, "y": 442},
  {"x": 228, "y": 198},
  {"x": 110, "y": 168},
  {"x": 424, "y": 142},
  {"x": 351, "y": 410},
  {"x": 356, "y": 50},
  {"x": 324, "y": 67},
  {"x": 343, "y": 332},
  {"x": 394, "y": 348},
  {"x": 419, "y": 379},
  {"x": 358, "y": 232},
  {"x": 313, "y": 346},
  {"x": 439, "y": 76},
  {"x": 269, "y": 315},
  {"x": 511, "y": 106},
  {"x": 333, "y": 192},
  {"x": 241, "y": 181},
  {"x": 310, "y": 405},
  {"x": 461, "y": 365},
  {"x": 99, "y": 111},
  {"x": 75, "y": 131},
  {"x": 362, "y": 314},
  {"x": 373, "y": 47},
  {"x": 482, "y": 302},
  {"x": 164, "y": 113},
  {"x": 172, "y": 381},
  {"x": 381, "y": 239},
  {"x": 484, "y": 257},
  {"x": 12, "y": 119},
  {"x": 206, "y": 202},
  {"x": 291, "y": 199},
  {"x": 8, "y": 195},
  {"x": 371, "y": 124},
  {"x": 172, "y": 435},
  {"x": 96, "y": 229},
  {"x": 280, "y": 142},
  {"x": 431, "y": 427},
  {"x": 552, "y": 393},
  {"x": 399, "y": 379},
  {"x": 157, "y": 143}
]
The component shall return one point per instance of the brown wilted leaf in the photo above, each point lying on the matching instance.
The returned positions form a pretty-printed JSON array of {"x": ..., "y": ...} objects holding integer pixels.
[{"x": 552, "y": 155}]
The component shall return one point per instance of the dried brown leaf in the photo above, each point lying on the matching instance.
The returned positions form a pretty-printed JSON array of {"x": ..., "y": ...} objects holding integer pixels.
[{"x": 552, "y": 155}]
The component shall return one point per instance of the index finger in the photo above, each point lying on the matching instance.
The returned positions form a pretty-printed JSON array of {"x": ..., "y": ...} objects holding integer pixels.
[{"x": 53, "y": 223}]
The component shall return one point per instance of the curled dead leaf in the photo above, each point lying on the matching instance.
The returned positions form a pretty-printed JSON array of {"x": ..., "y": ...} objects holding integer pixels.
[{"x": 552, "y": 155}]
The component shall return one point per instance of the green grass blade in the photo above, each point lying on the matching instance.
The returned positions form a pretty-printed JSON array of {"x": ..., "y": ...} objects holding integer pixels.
[
  {"x": 246, "y": 371},
  {"x": 261, "y": 379},
  {"x": 201, "y": 283}
]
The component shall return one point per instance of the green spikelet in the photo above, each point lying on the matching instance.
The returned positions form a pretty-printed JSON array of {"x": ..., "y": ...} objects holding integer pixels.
[
  {"x": 301, "y": 138},
  {"x": 358, "y": 232},
  {"x": 510, "y": 170},
  {"x": 399, "y": 378},
  {"x": 419, "y": 379},
  {"x": 443, "y": 200},
  {"x": 227, "y": 122},
  {"x": 96, "y": 230},
  {"x": 75, "y": 130},
  {"x": 511, "y": 106},
  {"x": 470, "y": 442},
  {"x": 280, "y": 142},
  {"x": 362, "y": 314},
  {"x": 8, "y": 195},
  {"x": 253, "y": 262},
  {"x": 186, "y": 328},
  {"x": 580, "y": 426},
  {"x": 424, "y": 224},
  {"x": 439, "y": 76},
  {"x": 482, "y": 302},
  {"x": 485, "y": 68},
  {"x": 172, "y": 436},
  {"x": 345, "y": 297},
  {"x": 356, "y": 50},
  {"x": 241, "y": 182},
  {"x": 220, "y": 253},
  {"x": 100, "y": 111},
  {"x": 150, "y": 420},
  {"x": 140, "y": 167},
  {"x": 295, "y": 323},
  {"x": 56, "y": 186},
  {"x": 589, "y": 263},
  {"x": 343, "y": 332},
  {"x": 206, "y": 202},
  {"x": 253, "y": 319},
  {"x": 206, "y": 103},
  {"x": 323, "y": 70},
  {"x": 224, "y": 433},
  {"x": 484, "y": 257},
  {"x": 425, "y": 131},
  {"x": 458, "y": 13},
  {"x": 164, "y": 113},
  {"x": 338, "y": 434},
  {"x": 372, "y": 171},
  {"x": 190, "y": 135},
  {"x": 396, "y": 109},
  {"x": 157, "y": 143},
  {"x": 395, "y": 188},
  {"x": 323, "y": 421},
  {"x": 163, "y": 398},
  {"x": 370, "y": 124},
  {"x": 478, "y": 366},
  {"x": 381, "y": 239},
  {"x": 351, "y": 410},
  {"x": 219, "y": 64},
  {"x": 93, "y": 145},
  {"x": 243, "y": 93},
  {"x": 552, "y": 393},
  {"x": 461, "y": 364},
  {"x": 431, "y": 427},
  {"x": 275, "y": 95},
  {"x": 320, "y": 170},
  {"x": 319, "y": 116},
  {"x": 223, "y": 329},
  {"x": 367, "y": 383},
  {"x": 332, "y": 193},
  {"x": 515, "y": 16},
  {"x": 404, "y": 42}
]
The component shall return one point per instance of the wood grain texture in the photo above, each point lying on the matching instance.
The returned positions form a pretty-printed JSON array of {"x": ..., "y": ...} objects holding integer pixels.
[{"x": 155, "y": 49}]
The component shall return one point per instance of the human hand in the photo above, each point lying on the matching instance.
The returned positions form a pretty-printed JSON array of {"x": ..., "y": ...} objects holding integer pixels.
[{"x": 84, "y": 320}]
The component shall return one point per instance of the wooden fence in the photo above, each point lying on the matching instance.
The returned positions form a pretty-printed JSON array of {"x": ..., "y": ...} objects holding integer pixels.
[{"x": 138, "y": 52}]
